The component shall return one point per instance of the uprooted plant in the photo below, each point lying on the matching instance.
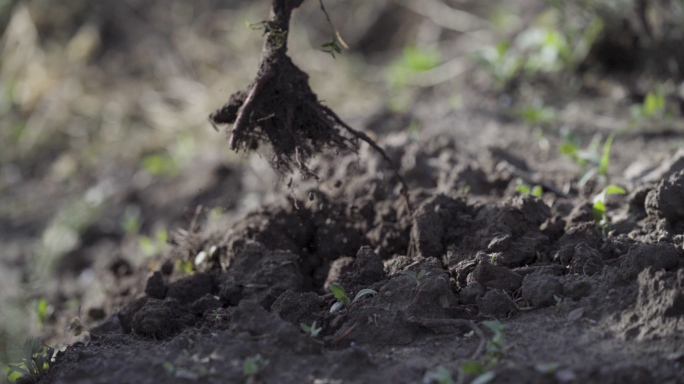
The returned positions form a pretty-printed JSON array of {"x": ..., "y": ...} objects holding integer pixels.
[{"x": 280, "y": 109}]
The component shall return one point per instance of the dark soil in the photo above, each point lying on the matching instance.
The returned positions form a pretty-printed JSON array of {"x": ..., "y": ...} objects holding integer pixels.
[
  {"x": 602, "y": 306},
  {"x": 577, "y": 302}
]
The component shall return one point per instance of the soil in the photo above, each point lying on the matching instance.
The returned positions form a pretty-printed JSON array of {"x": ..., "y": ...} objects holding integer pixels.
[
  {"x": 578, "y": 302},
  {"x": 602, "y": 306}
]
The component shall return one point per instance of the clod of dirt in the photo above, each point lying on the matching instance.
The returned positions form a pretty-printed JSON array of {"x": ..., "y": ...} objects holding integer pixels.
[
  {"x": 585, "y": 232},
  {"x": 368, "y": 267},
  {"x": 432, "y": 222},
  {"x": 659, "y": 310},
  {"x": 659, "y": 256},
  {"x": 495, "y": 277},
  {"x": 260, "y": 275},
  {"x": 160, "y": 319},
  {"x": 297, "y": 307},
  {"x": 252, "y": 318},
  {"x": 576, "y": 289},
  {"x": 191, "y": 288},
  {"x": 581, "y": 213},
  {"x": 541, "y": 290},
  {"x": 471, "y": 292},
  {"x": 155, "y": 287},
  {"x": 496, "y": 303},
  {"x": 207, "y": 303},
  {"x": 581, "y": 258},
  {"x": 665, "y": 201}
]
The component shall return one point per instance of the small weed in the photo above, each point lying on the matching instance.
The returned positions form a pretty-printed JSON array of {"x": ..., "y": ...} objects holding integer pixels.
[
  {"x": 554, "y": 43},
  {"x": 413, "y": 61},
  {"x": 495, "y": 349},
  {"x": 653, "y": 107},
  {"x": 42, "y": 310},
  {"x": 538, "y": 115},
  {"x": 592, "y": 161},
  {"x": 559, "y": 300},
  {"x": 342, "y": 298},
  {"x": 526, "y": 190},
  {"x": 416, "y": 276},
  {"x": 440, "y": 375},
  {"x": 151, "y": 247},
  {"x": 252, "y": 366},
  {"x": 131, "y": 221},
  {"x": 31, "y": 361},
  {"x": 185, "y": 267},
  {"x": 311, "y": 329},
  {"x": 599, "y": 207},
  {"x": 496, "y": 346}
]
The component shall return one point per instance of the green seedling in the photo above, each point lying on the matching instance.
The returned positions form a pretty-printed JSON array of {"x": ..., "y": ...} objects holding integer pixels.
[
  {"x": 551, "y": 45},
  {"x": 526, "y": 190},
  {"x": 592, "y": 161},
  {"x": 416, "y": 276},
  {"x": 252, "y": 366},
  {"x": 497, "y": 345},
  {"x": 151, "y": 247},
  {"x": 537, "y": 115},
  {"x": 413, "y": 61},
  {"x": 599, "y": 207},
  {"x": 30, "y": 362},
  {"x": 440, "y": 375},
  {"x": 185, "y": 267},
  {"x": 43, "y": 310},
  {"x": 311, "y": 329},
  {"x": 653, "y": 107},
  {"x": 342, "y": 298}
]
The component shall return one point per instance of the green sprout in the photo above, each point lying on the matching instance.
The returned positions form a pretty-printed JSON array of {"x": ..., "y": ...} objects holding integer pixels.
[
  {"x": 311, "y": 329},
  {"x": 152, "y": 247},
  {"x": 599, "y": 207},
  {"x": 185, "y": 267},
  {"x": 653, "y": 107},
  {"x": 497, "y": 345},
  {"x": 413, "y": 61},
  {"x": 343, "y": 299},
  {"x": 440, "y": 375},
  {"x": 526, "y": 190},
  {"x": 43, "y": 310},
  {"x": 536, "y": 115},
  {"x": 592, "y": 161},
  {"x": 252, "y": 366},
  {"x": 31, "y": 361},
  {"x": 416, "y": 276}
]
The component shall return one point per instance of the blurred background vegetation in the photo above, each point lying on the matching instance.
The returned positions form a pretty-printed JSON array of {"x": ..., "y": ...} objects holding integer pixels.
[{"x": 105, "y": 145}]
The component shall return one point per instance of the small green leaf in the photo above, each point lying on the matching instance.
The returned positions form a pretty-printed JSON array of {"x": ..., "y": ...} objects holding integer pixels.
[
  {"x": 363, "y": 293},
  {"x": 614, "y": 190},
  {"x": 339, "y": 293},
  {"x": 473, "y": 368},
  {"x": 598, "y": 210},
  {"x": 537, "y": 191},
  {"x": 605, "y": 155}
]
